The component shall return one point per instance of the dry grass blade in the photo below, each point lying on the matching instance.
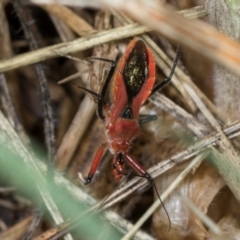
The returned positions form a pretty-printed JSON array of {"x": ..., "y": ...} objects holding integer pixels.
[
  {"x": 17, "y": 231},
  {"x": 180, "y": 114},
  {"x": 70, "y": 78},
  {"x": 195, "y": 12},
  {"x": 79, "y": 25},
  {"x": 189, "y": 33},
  {"x": 6, "y": 101},
  {"x": 230, "y": 158},
  {"x": 33, "y": 36},
  {"x": 73, "y": 46},
  {"x": 83, "y": 3}
]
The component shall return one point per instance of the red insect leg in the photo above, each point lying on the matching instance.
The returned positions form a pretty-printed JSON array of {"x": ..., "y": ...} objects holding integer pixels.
[
  {"x": 143, "y": 173},
  {"x": 136, "y": 166},
  {"x": 95, "y": 163}
]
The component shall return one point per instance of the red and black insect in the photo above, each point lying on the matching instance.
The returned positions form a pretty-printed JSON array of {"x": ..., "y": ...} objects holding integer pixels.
[{"x": 130, "y": 83}]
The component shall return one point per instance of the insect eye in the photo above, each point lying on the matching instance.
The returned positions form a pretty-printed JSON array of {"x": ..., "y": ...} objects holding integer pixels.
[
  {"x": 127, "y": 113},
  {"x": 121, "y": 159}
]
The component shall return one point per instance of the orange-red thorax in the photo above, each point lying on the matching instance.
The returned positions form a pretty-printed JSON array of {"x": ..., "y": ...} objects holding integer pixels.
[{"x": 121, "y": 133}]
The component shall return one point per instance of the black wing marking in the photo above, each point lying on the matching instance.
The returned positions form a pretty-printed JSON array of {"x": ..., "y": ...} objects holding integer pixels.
[{"x": 135, "y": 72}]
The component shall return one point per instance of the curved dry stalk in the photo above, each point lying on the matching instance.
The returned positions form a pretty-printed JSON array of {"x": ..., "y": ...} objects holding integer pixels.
[{"x": 32, "y": 35}]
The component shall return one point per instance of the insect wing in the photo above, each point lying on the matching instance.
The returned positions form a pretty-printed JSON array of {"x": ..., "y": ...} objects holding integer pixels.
[
  {"x": 147, "y": 86},
  {"x": 120, "y": 97},
  {"x": 133, "y": 80}
]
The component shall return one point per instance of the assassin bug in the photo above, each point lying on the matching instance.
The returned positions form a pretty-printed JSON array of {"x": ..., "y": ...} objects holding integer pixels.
[{"x": 131, "y": 82}]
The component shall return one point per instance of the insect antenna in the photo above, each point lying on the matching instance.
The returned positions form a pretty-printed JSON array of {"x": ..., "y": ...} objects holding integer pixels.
[
  {"x": 155, "y": 188},
  {"x": 98, "y": 96},
  {"x": 160, "y": 85},
  {"x": 150, "y": 179},
  {"x": 99, "y": 99},
  {"x": 146, "y": 118},
  {"x": 102, "y": 59},
  {"x": 108, "y": 78}
]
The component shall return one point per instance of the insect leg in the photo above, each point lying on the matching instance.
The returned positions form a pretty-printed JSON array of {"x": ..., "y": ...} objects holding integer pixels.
[
  {"x": 105, "y": 86},
  {"x": 143, "y": 173},
  {"x": 136, "y": 166},
  {"x": 101, "y": 59},
  {"x": 100, "y": 97},
  {"x": 168, "y": 79},
  {"x": 145, "y": 118},
  {"x": 110, "y": 74},
  {"x": 95, "y": 164}
]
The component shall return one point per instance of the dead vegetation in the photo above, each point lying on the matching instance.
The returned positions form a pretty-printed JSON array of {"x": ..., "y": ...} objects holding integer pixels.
[{"x": 191, "y": 150}]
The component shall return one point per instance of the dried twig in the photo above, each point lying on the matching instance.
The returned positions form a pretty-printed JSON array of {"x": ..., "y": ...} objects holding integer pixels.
[
  {"x": 6, "y": 100},
  {"x": 31, "y": 34}
]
